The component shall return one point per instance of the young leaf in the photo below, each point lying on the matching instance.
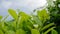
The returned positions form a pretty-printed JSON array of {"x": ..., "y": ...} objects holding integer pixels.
[
  {"x": 20, "y": 31},
  {"x": 34, "y": 31},
  {"x": 43, "y": 15},
  {"x": 13, "y": 13}
]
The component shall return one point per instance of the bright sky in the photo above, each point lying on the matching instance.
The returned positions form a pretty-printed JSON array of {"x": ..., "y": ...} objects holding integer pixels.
[{"x": 24, "y": 5}]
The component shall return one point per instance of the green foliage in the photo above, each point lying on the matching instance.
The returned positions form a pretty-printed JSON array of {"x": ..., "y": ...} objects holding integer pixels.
[
  {"x": 43, "y": 15},
  {"x": 27, "y": 24},
  {"x": 35, "y": 31},
  {"x": 54, "y": 32},
  {"x": 47, "y": 26},
  {"x": 20, "y": 31},
  {"x": 55, "y": 14},
  {"x": 10, "y": 32},
  {"x": 49, "y": 30}
]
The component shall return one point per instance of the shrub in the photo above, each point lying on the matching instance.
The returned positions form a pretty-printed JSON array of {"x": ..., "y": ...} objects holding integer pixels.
[{"x": 27, "y": 24}]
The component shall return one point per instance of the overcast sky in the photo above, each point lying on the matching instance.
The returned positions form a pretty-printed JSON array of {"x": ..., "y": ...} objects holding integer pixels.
[{"x": 24, "y": 5}]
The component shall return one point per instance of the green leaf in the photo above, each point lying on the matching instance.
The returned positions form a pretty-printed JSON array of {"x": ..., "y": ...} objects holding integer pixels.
[
  {"x": 20, "y": 31},
  {"x": 49, "y": 30},
  {"x": 23, "y": 18},
  {"x": 29, "y": 27},
  {"x": 36, "y": 19},
  {"x": 35, "y": 31},
  {"x": 47, "y": 26},
  {"x": 43, "y": 15},
  {"x": 54, "y": 32},
  {"x": 13, "y": 13},
  {"x": 24, "y": 15}
]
